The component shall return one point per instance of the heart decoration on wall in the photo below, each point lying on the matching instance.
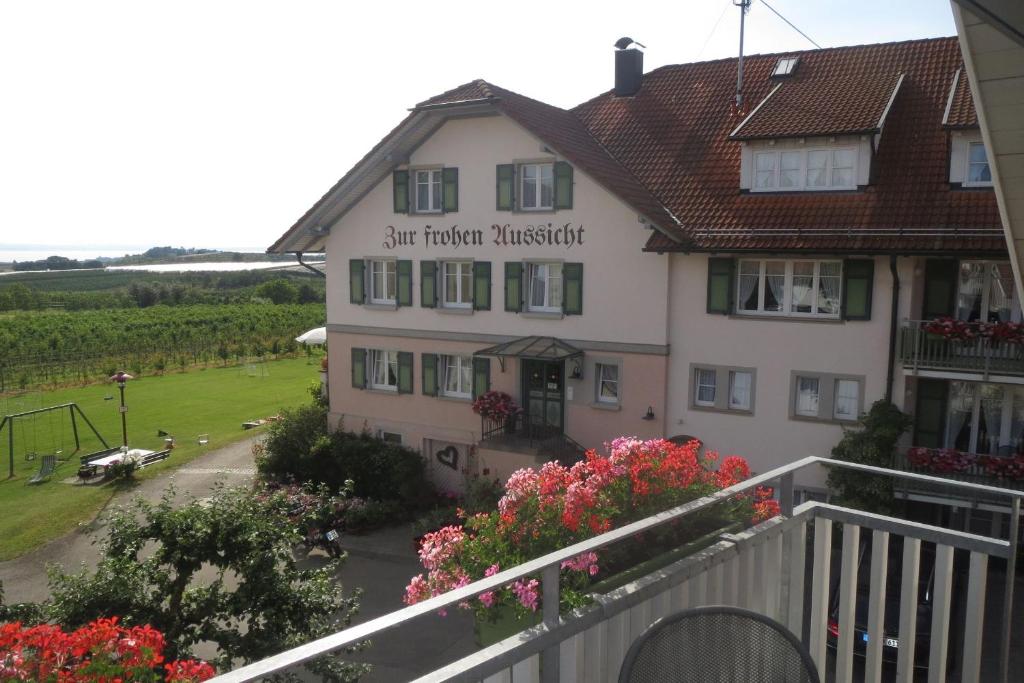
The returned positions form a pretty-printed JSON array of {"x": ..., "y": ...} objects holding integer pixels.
[{"x": 449, "y": 457}]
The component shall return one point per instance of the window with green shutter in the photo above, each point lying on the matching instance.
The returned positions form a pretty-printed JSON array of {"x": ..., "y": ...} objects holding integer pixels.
[
  {"x": 858, "y": 280},
  {"x": 513, "y": 286},
  {"x": 404, "y": 372},
  {"x": 359, "y": 368},
  {"x": 930, "y": 413},
  {"x": 481, "y": 376},
  {"x": 482, "y": 285},
  {"x": 506, "y": 187},
  {"x": 428, "y": 284},
  {"x": 429, "y": 372},
  {"x": 405, "y": 283},
  {"x": 357, "y": 280},
  {"x": 720, "y": 285},
  {"x": 400, "y": 182},
  {"x": 572, "y": 297},
  {"x": 563, "y": 185},
  {"x": 450, "y": 196},
  {"x": 940, "y": 282}
]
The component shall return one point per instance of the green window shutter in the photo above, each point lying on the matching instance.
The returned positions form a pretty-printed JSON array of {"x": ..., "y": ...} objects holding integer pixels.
[
  {"x": 404, "y": 372},
  {"x": 563, "y": 185},
  {"x": 930, "y": 413},
  {"x": 428, "y": 284},
  {"x": 506, "y": 187},
  {"x": 481, "y": 376},
  {"x": 940, "y": 283},
  {"x": 482, "y": 285},
  {"x": 858, "y": 278},
  {"x": 721, "y": 281},
  {"x": 404, "y": 272},
  {"x": 401, "y": 191},
  {"x": 357, "y": 281},
  {"x": 359, "y": 368},
  {"x": 450, "y": 195},
  {"x": 513, "y": 286},
  {"x": 429, "y": 370},
  {"x": 572, "y": 294}
]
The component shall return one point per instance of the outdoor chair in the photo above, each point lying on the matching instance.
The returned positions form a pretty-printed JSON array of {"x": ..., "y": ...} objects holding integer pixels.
[
  {"x": 717, "y": 645},
  {"x": 46, "y": 468}
]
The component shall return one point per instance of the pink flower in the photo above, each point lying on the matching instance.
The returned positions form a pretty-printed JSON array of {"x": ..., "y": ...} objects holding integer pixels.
[{"x": 527, "y": 593}]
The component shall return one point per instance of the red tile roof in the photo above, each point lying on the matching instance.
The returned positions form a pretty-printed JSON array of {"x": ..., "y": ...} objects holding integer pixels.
[
  {"x": 674, "y": 137},
  {"x": 960, "y": 112},
  {"x": 830, "y": 95}
]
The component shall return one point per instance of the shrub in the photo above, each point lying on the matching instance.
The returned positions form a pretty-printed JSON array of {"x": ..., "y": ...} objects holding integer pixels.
[
  {"x": 298, "y": 448},
  {"x": 873, "y": 444}
]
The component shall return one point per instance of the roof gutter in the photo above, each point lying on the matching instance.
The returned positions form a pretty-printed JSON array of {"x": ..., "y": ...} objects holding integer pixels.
[{"x": 305, "y": 265}]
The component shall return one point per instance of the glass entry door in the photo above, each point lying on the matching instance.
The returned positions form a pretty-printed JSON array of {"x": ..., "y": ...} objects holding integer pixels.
[{"x": 543, "y": 387}]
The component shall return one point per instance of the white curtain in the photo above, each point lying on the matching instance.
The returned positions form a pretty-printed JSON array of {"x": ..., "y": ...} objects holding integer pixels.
[
  {"x": 830, "y": 284},
  {"x": 961, "y": 406},
  {"x": 775, "y": 275},
  {"x": 749, "y": 276},
  {"x": 992, "y": 409},
  {"x": 972, "y": 283}
]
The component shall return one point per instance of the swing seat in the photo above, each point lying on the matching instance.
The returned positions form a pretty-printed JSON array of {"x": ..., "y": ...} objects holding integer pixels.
[{"x": 47, "y": 467}]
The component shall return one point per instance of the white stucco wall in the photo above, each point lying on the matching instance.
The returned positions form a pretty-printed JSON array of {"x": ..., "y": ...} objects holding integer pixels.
[
  {"x": 623, "y": 288},
  {"x": 775, "y": 348}
]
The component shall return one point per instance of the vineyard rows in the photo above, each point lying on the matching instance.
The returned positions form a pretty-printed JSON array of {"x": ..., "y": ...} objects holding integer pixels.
[{"x": 56, "y": 347}]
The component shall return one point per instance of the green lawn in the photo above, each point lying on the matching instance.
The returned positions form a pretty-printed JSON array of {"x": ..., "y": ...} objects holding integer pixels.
[{"x": 212, "y": 401}]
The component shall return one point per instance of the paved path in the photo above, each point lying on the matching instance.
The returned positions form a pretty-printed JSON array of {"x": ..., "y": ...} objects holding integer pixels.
[{"x": 24, "y": 578}]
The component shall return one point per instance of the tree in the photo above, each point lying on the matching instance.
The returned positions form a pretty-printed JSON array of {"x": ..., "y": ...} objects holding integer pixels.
[
  {"x": 257, "y": 603},
  {"x": 309, "y": 294},
  {"x": 873, "y": 444},
  {"x": 280, "y": 291}
]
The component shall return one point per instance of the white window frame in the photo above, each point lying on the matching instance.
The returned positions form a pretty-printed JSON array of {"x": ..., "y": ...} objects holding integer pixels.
[
  {"x": 785, "y": 66},
  {"x": 599, "y": 369},
  {"x": 435, "y": 190},
  {"x": 461, "y": 364},
  {"x": 463, "y": 295},
  {"x": 803, "y": 185},
  {"x": 538, "y": 182},
  {"x": 1005, "y": 419},
  {"x": 968, "y": 163},
  {"x": 817, "y": 397},
  {"x": 383, "y": 357},
  {"x": 383, "y": 435},
  {"x": 547, "y": 306},
  {"x": 986, "y": 287},
  {"x": 787, "y": 299},
  {"x": 836, "y": 396},
  {"x": 698, "y": 384},
  {"x": 733, "y": 404},
  {"x": 389, "y": 272}
]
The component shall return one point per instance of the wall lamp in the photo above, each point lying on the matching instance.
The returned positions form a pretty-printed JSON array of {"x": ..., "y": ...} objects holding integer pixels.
[{"x": 649, "y": 415}]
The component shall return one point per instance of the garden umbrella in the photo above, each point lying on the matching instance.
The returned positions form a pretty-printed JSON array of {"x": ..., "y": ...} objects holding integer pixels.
[{"x": 315, "y": 337}]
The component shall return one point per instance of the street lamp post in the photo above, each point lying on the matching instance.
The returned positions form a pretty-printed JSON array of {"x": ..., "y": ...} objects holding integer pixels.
[{"x": 122, "y": 377}]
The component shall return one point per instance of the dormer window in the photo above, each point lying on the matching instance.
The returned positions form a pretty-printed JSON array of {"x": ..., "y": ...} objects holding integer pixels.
[
  {"x": 978, "y": 172},
  {"x": 811, "y": 169},
  {"x": 784, "y": 67}
]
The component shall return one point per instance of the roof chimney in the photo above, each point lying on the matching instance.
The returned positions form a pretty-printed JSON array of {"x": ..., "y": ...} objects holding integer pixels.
[{"x": 629, "y": 67}]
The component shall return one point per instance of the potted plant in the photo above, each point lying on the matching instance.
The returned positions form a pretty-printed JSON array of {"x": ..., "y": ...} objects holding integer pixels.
[
  {"x": 555, "y": 506},
  {"x": 498, "y": 407}
]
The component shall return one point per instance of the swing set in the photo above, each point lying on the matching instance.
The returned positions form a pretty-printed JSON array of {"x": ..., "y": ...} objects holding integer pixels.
[{"x": 16, "y": 422}]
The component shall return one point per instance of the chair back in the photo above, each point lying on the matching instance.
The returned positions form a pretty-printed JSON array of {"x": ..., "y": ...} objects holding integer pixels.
[{"x": 717, "y": 645}]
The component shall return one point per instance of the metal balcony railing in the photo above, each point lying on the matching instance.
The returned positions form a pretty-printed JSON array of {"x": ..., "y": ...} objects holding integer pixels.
[
  {"x": 525, "y": 431},
  {"x": 765, "y": 568},
  {"x": 975, "y": 472},
  {"x": 921, "y": 350}
]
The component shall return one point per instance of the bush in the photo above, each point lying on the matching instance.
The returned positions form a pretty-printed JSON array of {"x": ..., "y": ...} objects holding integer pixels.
[
  {"x": 874, "y": 444},
  {"x": 298, "y": 448}
]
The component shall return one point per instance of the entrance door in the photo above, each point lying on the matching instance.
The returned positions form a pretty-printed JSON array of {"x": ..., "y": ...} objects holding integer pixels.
[{"x": 543, "y": 386}]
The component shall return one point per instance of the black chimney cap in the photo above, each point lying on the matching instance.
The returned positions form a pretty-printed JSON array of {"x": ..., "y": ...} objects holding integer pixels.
[{"x": 626, "y": 41}]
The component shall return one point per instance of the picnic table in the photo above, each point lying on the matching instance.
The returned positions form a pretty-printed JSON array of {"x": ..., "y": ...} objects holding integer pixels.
[{"x": 92, "y": 465}]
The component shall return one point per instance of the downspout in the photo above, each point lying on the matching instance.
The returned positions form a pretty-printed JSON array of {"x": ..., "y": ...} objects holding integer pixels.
[
  {"x": 298, "y": 255},
  {"x": 893, "y": 322}
]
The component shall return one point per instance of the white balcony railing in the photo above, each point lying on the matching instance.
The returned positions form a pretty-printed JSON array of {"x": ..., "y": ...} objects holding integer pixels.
[
  {"x": 764, "y": 568},
  {"x": 919, "y": 350}
]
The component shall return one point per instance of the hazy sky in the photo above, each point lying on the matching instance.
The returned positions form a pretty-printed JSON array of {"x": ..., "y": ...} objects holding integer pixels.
[{"x": 219, "y": 123}]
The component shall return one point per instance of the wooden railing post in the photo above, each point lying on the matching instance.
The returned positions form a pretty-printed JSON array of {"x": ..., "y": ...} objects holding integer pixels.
[
  {"x": 550, "y": 606},
  {"x": 1011, "y": 576}
]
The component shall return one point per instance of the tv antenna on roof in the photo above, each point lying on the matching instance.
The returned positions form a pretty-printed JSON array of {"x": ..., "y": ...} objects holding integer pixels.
[{"x": 744, "y": 6}]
